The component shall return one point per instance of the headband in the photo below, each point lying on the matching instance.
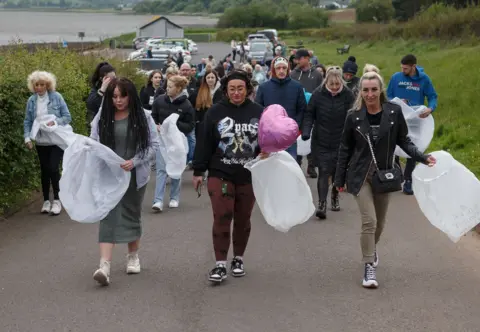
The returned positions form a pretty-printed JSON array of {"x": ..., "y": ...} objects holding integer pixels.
[{"x": 280, "y": 61}]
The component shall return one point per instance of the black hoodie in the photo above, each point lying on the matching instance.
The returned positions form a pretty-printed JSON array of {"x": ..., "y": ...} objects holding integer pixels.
[{"x": 229, "y": 141}]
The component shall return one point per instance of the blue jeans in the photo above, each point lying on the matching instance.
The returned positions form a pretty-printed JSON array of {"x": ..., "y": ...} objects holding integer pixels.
[
  {"x": 191, "y": 145},
  {"x": 162, "y": 182},
  {"x": 292, "y": 150}
]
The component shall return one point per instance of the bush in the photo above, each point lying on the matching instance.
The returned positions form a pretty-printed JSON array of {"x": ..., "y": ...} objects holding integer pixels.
[
  {"x": 374, "y": 11},
  {"x": 307, "y": 17},
  {"x": 226, "y": 35},
  {"x": 19, "y": 170}
]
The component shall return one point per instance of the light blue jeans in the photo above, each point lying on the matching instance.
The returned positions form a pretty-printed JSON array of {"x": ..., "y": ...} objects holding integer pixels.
[
  {"x": 192, "y": 140},
  {"x": 162, "y": 182}
]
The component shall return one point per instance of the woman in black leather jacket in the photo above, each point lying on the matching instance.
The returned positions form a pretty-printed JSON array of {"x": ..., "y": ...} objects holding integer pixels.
[{"x": 383, "y": 123}]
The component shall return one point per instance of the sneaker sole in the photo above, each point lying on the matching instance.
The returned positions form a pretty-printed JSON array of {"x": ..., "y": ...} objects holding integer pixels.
[
  {"x": 157, "y": 209},
  {"x": 321, "y": 216},
  {"x": 335, "y": 209},
  {"x": 238, "y": 275},
  {"x": 216, "y": 281},
  {"x": 45, "y": 212},
  {"x": 54, "y": 214},
  {"x": 370, "y": 284},
  {"x": 101, "y": 279},
  {"x": 131, "y": 271}
]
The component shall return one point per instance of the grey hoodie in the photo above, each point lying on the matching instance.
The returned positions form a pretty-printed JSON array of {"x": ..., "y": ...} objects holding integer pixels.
[{"x": 310, "y": 79}]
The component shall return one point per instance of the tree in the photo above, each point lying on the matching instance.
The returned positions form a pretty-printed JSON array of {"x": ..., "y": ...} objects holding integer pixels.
[{"x": 374, "y": 11}]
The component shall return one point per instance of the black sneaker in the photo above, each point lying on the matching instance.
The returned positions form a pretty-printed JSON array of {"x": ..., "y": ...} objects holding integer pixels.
[
  {"x": 311, "y": 171},
  {"x": 407, "y": 187},
  {"x": 335, "y": 202},
  {"x": 375, "y": 259},
  {"x": 370, "y": 277},
  {"x": 322, "y": 210},
  {"x": 236, "y": 268},
  {"x": 218, "y": 274}
]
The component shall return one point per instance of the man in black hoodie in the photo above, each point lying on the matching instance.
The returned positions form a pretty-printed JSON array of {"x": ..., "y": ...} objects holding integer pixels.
[{"x": 310, "y": 79}]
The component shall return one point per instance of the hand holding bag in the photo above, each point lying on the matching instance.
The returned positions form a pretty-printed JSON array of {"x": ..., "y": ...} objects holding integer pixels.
[{"x": 387, "y": 180}]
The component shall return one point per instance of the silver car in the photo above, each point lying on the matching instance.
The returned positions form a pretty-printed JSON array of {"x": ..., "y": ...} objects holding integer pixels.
[{"x": 261, "y": 51}]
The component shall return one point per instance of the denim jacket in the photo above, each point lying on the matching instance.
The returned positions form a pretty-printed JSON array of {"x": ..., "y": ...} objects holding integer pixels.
[
  {"x": 142, "y": 165},
  {"x": 56, "y": 106}
]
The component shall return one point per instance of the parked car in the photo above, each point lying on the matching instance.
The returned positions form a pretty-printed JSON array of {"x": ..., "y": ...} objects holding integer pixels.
[
  {"x": 139, "y": 42},
  {"x": 271, "y": 34},
  {"x": 192, "y": 47},
  {"x": 261, "y": 51},
  {"x": 255, "y": 36}
]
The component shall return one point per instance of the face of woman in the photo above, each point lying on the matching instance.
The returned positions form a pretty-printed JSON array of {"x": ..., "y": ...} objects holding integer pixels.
[
  {"x": 371, "y": 92},
  {"x": 40, "y": 87},
  {"x": 156, "y": 79},
  {"x": 334, "y": 85},
  {"x": 172, "y": 90},
  {"x": 211, "y": 80},
  {"x": 120, "y": 102},
  {"x": 237, "y": 91}
]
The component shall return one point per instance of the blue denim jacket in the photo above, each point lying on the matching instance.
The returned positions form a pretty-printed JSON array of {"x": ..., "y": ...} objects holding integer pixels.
[{"x": 56, "y": 106}]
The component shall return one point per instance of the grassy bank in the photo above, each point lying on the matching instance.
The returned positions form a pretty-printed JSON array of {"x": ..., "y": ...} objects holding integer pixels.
[{"x": 457, "y": 119}]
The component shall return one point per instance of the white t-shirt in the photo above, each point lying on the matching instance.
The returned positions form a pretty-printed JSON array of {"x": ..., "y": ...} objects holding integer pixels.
[{"x": 42, "y": 103}]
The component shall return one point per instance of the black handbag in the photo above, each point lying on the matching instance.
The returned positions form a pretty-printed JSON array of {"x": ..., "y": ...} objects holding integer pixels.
[{"x": 385, "y": 180}]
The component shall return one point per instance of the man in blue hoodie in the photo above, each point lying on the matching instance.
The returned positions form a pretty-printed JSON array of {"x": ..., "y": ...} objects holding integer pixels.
[
  {"x": 412, "y": 85},
  {"x": 284, "y": 91}
]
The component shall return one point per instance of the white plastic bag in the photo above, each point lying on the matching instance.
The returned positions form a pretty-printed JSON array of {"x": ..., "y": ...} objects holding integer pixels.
[
  {"x": 420, "y": 130},
  {"x": 92, "y": 182},
  {"x": 448, "y": 195},
  {"x": 304, "y": 147},
  {"x": 281, "y": 191},
  {"x": 62, "y": 136},
  {"x": 173, "y": 147}
]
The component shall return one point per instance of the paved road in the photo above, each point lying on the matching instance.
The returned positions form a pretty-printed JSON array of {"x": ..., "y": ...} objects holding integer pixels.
[{"x": 305, "y": 280}]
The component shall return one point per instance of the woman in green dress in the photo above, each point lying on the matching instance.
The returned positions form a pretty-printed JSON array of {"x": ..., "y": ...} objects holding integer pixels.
[{"x": 129, "y": 130}]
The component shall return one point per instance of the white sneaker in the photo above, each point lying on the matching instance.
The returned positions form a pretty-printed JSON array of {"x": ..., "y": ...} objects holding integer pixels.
[
  {"x": 173, "y": 204},
  {"x": 133, "y": 264},
  {"x": 158, "y": 206},
  {"x": 56, "y": 208},
  {"x": 47, "y": 206},
  {"x": 102, "y": 275}
]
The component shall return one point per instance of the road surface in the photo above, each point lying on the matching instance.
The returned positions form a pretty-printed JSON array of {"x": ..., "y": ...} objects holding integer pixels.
[{"x": 308, "y": 279}]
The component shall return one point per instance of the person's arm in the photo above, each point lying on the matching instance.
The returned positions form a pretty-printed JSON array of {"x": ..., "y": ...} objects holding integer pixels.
[
  {"x": 156, "y": 112},
  {"x": 404, "y": 142},
  {"x": 65, "y": 116},
  {"x": 145, "y": 98},
  {"x": 431, "y": 95},
  {"x": 94, "y": 101},
  {"x": 204, "y": 152},
  {"x": 186, "y": 123},
  {"x": 391, "y": 88},
  {"x": 94, "y": 127},
  {"x": 139, "y": 159},
  {"x": 301, "y": 107},
  {"x": 345, "y": 151},
  {"x": 27, "y": 123}
]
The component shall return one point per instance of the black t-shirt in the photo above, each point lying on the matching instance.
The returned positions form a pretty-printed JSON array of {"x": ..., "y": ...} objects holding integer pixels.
[{"x": 374, "y": 120}]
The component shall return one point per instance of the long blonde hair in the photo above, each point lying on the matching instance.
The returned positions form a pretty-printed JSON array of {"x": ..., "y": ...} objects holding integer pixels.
[{"x": 368, "y": 76}]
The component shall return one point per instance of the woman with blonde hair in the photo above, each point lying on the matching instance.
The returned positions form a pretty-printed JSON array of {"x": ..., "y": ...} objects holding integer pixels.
[
  {"x": 170, "y": 72},
  {"x": 372, "y": 131},
  {"x": 208, "y": 94},
  {"x": 46, "y": 101},
  {"x": 370, "y": 68},
  {"x": 174, "y": 101},
  {"x": 326, "y": 113}
]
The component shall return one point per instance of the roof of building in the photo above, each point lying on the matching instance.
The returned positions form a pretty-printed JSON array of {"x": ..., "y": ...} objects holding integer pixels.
[{"x": 158, "y": 19}]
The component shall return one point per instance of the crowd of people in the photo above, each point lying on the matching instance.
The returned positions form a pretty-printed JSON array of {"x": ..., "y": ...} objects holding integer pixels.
[{"x": 352, "y": 125}]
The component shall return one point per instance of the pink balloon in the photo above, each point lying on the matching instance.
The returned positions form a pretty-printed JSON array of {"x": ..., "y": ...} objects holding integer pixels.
[{"x": 276, "y": 130}]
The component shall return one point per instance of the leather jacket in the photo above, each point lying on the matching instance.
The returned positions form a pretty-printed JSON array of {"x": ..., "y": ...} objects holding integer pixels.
[{"x": 355, "y": 158}]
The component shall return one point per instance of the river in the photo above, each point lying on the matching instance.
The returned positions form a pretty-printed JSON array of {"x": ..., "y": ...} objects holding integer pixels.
[{"x": 37, "y": 27}]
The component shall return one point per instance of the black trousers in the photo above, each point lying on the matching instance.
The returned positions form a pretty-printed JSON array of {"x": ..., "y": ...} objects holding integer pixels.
[
  {"x": 409, "y": 167},
  {"x": 50, "y": 157},
  {"x": 327, "y": 165}
]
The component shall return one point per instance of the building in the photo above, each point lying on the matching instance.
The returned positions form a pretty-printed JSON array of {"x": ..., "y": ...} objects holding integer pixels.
[
  {"x": 338, "y": 4},
  {"x": 160, "y": 27}
]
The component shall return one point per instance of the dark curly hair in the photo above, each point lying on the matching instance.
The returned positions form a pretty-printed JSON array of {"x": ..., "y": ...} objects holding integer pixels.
[
  {"x": 138, "y": 127},
  {"x": 102, "y": 69},
  {"x": 238, "y": 74}
]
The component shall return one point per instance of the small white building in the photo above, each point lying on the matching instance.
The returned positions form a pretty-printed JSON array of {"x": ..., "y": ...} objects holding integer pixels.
[{"x": 161, "y": 27}]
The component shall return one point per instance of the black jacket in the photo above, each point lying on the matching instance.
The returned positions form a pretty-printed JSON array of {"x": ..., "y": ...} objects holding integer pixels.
[
  {"x": 229, "y": 141},
  {"x": 326, "y": 115},
  {"x": 163, "y": 107},
  {"x": 147, "y": 95},
  {"x": 354, "y": 157},
  {"x": 94, "y": 101}
]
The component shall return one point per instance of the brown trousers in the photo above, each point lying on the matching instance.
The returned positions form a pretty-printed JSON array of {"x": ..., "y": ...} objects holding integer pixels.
[{"x": 230, "y": 202}]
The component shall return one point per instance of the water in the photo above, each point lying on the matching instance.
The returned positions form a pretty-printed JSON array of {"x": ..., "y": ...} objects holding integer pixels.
[{"x": 37, "y": 27}]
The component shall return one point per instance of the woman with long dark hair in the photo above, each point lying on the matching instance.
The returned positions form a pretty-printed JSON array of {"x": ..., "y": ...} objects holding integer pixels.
[
  {"x": 101, "y": 77},
  {"x": 152, "y": 88},
  {"x": 129, "y": 130},
  {"x": 208, "y": 94},
  {"x": 230, "y": 139}
]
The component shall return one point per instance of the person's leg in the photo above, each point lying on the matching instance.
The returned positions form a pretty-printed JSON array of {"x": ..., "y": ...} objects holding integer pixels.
[
  {"x": 222, "y": 197},
  {"x": 244, "y": 202},
  {"x": 333, "y": 167},
  {"x": 175, "y": 185},
  {"x": 161, "y": 182},
  {"x": 191, "y": 145},
  {"x": 311, "y": 168},
  {"x": 43, "y": 153},
  {"x": 409, "y": 167},
  {"x": 56, "y": 156},
  {"x": 322, "y": 188},
  {"x": 102, "y": 274}
]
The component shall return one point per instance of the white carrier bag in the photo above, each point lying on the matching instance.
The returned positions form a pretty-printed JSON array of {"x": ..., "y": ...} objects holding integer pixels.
[
  {"x": 448, "y": 195},
  {"x": 281, "y": 191},
  {"x": 304, "y": 147},
  {"x": 93, "y": 182},
  {"x": 173, "y": 147},
  {"x": 420, "y": 130}
]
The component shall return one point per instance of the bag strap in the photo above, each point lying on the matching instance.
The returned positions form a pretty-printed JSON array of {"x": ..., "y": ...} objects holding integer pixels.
[{"x": 371, "y": 150}]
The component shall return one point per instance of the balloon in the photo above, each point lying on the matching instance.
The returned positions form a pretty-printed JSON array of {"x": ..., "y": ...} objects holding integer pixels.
[{"x": 276, "y": 130}]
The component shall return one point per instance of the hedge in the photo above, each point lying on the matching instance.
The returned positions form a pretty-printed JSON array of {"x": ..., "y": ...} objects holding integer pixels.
[{"x": 19, "y": 169}]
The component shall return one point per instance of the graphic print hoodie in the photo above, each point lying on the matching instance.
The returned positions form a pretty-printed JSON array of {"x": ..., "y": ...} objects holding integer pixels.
[
  {"x": 413, "y": 89},
  {"x": 229, "y": 141}
]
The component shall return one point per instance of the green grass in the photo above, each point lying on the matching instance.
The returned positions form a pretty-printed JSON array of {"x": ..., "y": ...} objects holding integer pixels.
[{"x": 452, "y": 70}]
